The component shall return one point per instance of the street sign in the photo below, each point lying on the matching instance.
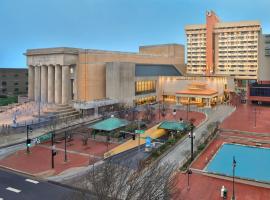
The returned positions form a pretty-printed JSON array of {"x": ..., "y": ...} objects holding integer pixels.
[
  {"x": 139, "y": 131},
  {"x": 43, "y": 138},
  {"x": 148, "y": 142}
]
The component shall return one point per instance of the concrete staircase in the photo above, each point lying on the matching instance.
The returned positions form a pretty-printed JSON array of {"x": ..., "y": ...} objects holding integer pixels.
[{"x": 63, "y": 113}]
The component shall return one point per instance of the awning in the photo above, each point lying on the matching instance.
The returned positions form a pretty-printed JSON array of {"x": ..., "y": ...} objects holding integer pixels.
[
  {"x": 173, "y": 125},
  {"x": 110, "y": 124}
]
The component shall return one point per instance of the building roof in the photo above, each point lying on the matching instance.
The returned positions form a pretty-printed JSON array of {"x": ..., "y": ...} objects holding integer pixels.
[
  {"x": 156, "y": 70},
  {"x": 198, "y": 89},
  {"x": 173, "y": 125},
  {"x": 110, "y": 124}
]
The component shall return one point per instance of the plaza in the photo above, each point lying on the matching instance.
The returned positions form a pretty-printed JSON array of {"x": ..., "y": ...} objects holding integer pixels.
[{"x": 199, "y": 110}]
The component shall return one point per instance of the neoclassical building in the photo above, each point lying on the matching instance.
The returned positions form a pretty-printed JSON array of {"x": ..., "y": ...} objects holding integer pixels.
[
  {"x": 88, "y": 79},
  {"x": 67, "y": 75}
]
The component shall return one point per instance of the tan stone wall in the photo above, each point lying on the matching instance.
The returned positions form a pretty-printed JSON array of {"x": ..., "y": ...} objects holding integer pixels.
[
  {"x": 91, "y": 71},
  {"x": 169, "y": 50}
]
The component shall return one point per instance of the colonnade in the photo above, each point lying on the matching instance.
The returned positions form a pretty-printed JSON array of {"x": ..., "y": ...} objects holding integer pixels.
[{"x": 49, "y": 83}]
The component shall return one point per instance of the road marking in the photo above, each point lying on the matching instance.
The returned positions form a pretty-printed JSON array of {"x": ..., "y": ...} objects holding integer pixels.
[
  {"x": 13, "y": 189},
  {"x": 31, "y": 181}
]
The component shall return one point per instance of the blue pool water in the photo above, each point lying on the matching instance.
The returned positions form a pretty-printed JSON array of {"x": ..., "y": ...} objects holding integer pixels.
[{"x": 251, "y": 162}]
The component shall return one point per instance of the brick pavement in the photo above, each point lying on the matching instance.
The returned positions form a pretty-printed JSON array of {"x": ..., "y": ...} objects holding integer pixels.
[
  {"x": 246, "y": 119},
  {"x": 38, "y": 162},
  {"x": 208, "y": 188}
]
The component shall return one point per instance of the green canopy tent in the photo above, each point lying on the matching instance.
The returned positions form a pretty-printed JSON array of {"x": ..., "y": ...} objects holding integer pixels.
[
  {"x": 110, "y": 124},
  {"x": 173, "y": 126}
]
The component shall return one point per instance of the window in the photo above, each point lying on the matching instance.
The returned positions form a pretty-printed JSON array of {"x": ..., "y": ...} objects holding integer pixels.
[
  {"x": 16, "y": 75},
  {"x": 4, "y": 83},
  {"x": 16, "y": 83},
  {"x": 145, "y": 87},
  {"x": 16, "y": 89}
]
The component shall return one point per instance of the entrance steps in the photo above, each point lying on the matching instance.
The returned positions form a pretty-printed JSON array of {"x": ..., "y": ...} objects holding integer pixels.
[{"x": 63, "y": 112}]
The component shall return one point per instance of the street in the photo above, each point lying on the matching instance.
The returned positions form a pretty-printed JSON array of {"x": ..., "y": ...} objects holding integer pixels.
[{"x": 19, "y": 187}]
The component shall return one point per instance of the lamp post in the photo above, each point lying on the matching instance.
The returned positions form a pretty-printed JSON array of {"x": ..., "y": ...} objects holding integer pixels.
[
  {"x": 53, "y": 152},
  {"x": 174, "y": 113},
  {"x": 188, "y": 104},
  {"x": 234, "y": 165},
  {"x": 39, "y": 98},
  {"x": 191, "y": 136},
  {"x": 189, "y": 172},
  {"x": 65, "y": 146}
]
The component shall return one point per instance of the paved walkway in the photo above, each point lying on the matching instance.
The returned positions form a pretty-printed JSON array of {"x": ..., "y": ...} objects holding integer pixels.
[{"x": 177, "y": 156}]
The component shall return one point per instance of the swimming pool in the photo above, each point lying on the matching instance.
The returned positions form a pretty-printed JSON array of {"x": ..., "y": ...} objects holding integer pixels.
[{"x": 251, "y": 162}]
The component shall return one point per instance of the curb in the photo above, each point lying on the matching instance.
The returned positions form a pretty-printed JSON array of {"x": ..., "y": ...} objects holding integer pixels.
[{"x": 4, "y": 168}]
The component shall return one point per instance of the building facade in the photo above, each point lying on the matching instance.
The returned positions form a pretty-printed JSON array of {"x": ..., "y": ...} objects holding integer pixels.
[
  {"x": 66, "y": 75},
  {"x": 224, "y": 48},
  {"x": 13, "y": 81}
]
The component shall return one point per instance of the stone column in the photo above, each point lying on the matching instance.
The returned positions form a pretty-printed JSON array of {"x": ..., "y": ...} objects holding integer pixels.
[
  {"x": 51, "y": 77},
  {"x": 37, "y": 83},
  {"x": 31, "y": 82},
  {"x": 58, "y": 84},
  {"x": 65, "y": 84},
  {"x": 44, "y": 84}
]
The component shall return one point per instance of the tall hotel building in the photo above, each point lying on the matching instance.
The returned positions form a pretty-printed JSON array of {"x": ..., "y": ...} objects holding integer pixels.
[{"x": 224, "y": 48}]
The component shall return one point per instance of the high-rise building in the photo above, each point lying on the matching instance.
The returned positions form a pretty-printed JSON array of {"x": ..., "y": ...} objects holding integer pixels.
[{"x": 224, "y": 48}]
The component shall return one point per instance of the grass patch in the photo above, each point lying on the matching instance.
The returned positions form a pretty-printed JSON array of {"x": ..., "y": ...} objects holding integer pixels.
[{"x": 8, "y": 100}]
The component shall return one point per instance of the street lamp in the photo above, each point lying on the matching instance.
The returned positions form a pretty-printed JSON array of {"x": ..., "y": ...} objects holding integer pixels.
[
  {"x": 192, "y": 137},
  {"x": 174, "y": 113},
  {"x": 189, "y": 172},
  {"x": 234, "y": 165}
]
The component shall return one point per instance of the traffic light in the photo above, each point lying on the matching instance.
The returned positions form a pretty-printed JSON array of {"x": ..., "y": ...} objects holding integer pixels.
[
  {"x": 133, "y": 136},
  {"x": 54, "y": 152},
  {"x": 28, "y": 142}
]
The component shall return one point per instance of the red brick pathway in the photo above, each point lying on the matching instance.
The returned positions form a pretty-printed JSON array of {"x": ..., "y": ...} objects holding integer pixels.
[{"x": 208, "y": 188}]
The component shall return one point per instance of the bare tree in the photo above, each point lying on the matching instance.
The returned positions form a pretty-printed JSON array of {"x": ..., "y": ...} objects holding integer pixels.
[{"x": 111, "y": 181}]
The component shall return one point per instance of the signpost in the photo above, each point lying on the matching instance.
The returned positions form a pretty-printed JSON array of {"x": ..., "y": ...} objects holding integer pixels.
[
  {"x": 139, "y": 132},
  {"x": 42, "y": 138}
]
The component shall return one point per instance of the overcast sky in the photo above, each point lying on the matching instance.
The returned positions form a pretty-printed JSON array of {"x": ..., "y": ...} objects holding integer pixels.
[{"x": 120, "y": 25}]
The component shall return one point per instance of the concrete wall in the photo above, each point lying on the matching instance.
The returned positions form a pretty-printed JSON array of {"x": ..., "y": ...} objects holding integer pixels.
[
  {"x": 120, "y": 81},
  {"x": 91, "y": 72}
]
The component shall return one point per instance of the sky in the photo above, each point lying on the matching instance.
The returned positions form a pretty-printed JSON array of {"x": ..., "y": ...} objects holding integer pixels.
[{"x": 120, "y": 25}]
